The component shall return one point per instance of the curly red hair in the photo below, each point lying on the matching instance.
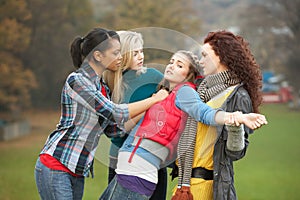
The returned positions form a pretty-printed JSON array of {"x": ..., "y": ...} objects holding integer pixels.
[{"x": 234, "y": 52}]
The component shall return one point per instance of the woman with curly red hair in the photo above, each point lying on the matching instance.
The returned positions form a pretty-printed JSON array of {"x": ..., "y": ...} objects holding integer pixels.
[{"x": 233, "y": 82}]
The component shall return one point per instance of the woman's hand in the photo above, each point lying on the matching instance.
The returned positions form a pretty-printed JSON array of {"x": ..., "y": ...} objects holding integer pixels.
[
  {"x": 161, "y": 95},
  {"x": 138, "y": 107},
  {"x": 251, "y": 120}
]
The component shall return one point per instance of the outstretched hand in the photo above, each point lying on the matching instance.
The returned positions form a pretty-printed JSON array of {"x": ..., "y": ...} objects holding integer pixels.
[{"x": 251, "y": 120}]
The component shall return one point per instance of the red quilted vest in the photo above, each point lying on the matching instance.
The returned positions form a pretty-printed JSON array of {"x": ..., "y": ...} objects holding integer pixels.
[{"x": 163, "y": 122}]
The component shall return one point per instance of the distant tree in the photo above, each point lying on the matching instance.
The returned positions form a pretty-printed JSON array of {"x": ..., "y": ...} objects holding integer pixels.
[
  {"x": 255, "y": 23},
  {"x": 289, "y": 16},
  {"x": 273, "y": 28},
  {"x": 177, "y": 16},
  {"x": 15, "y": 81},
  {"x": 53, "y": 26}
]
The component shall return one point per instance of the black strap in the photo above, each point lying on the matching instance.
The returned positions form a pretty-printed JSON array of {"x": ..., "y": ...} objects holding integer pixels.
[{"x": 203, "y": 173}]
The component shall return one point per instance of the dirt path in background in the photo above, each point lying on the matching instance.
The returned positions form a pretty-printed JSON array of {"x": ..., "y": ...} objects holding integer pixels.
[{"x": 41, "y": 122}]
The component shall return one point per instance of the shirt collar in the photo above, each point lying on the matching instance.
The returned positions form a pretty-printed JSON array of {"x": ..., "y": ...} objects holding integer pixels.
[{"x": 89, "y": 71}]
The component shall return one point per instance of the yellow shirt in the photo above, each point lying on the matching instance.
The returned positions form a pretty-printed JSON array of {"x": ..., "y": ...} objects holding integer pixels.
[{"x": 204, "y": 149}]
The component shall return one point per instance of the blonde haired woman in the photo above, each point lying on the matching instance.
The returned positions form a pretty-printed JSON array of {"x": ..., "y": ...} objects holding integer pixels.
[{"x": 133, "y": 82}]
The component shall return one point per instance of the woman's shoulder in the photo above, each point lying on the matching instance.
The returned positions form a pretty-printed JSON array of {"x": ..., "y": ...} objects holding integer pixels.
[
  {"x": 241, "y": 92},
  {"x": 239, "y": 100},
  {"x": 186, "y": 91},
  {"x": 186, "y": 86},
  {"x": 74, "y": 76}
]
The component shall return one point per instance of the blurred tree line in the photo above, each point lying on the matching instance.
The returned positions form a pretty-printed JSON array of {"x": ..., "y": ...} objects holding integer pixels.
[
  {"x": 270, "y": 26},
  {"x": 35, "y": 36},
  {"x": 16, "y": 81},
  {"x": 273, "y": 26},
  {"x": 34, "y": 45}
]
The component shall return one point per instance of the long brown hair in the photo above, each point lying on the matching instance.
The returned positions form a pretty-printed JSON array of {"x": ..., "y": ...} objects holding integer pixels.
[
  {"x": 194, "y": 68},
  {"x": 235, "y": 53}
]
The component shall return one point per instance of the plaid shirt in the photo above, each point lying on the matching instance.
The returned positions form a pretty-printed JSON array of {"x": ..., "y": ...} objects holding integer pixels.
[{"x": 86, "y": 114}]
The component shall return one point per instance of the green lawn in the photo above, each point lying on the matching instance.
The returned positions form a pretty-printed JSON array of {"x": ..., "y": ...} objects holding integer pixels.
[{"x": 269, "y": 170}]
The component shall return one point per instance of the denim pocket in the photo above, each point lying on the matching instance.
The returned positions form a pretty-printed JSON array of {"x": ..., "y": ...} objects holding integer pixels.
[
  {"x": 38, "y": 166},
  {"x": 38, "y": 169},
  {"x": 38, "y": 174}
]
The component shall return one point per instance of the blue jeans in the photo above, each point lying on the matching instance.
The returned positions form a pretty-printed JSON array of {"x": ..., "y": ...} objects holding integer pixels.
[
  {"x": 57, "y": 185},
  {"x": 115, "y": 191}
]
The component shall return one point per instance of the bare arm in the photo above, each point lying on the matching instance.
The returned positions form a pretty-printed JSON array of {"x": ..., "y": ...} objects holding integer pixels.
[{"x": 132, "y": 122}]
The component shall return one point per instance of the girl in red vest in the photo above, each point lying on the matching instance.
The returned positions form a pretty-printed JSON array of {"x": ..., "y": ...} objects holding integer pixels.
[{"x": 152, "y": 143}]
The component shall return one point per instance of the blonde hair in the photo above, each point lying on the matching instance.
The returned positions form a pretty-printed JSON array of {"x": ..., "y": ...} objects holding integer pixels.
[{"x": 130, "y": 41}]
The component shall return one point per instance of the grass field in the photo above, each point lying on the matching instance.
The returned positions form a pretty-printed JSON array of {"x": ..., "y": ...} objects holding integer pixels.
[{"x": 270, "y": 169}]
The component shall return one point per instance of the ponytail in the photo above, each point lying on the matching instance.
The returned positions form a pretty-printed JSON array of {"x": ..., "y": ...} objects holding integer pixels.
[
  {"x": 76, "y": 52},
  {"x": 97, "y": 39}
]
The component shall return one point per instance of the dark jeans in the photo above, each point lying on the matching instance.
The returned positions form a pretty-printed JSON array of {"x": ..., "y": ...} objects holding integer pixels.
[{"x": 160, "y": 192}]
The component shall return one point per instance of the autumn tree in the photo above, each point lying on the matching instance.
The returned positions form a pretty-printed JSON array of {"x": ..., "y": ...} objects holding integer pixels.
[
  {"x": 53, "y": 26},
  {"x": 15, "y": 81}
]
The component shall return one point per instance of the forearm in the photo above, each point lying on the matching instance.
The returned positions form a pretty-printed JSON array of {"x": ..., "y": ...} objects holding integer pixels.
[
  {"x": 221, "y": 117},
  {"x": 132, "y": 122},
  {"x": 139, "y": 107}
]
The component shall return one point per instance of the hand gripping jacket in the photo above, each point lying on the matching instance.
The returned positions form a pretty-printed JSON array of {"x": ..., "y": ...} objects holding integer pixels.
[{"x": 163, "y": 123}]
